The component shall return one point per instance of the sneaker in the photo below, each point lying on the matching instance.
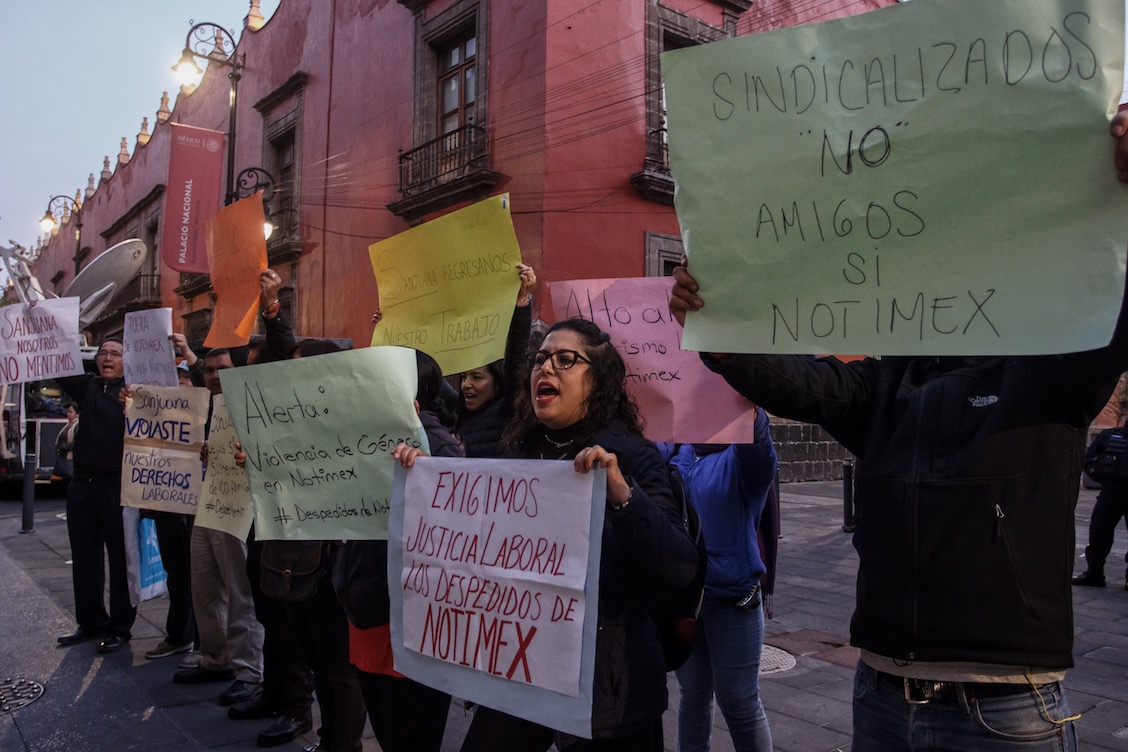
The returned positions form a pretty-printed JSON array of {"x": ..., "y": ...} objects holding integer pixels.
[
  {"x": 191, "y": 660},
  {"x": 1089, "y": 578},
  {"x": 164, "y": 649}
]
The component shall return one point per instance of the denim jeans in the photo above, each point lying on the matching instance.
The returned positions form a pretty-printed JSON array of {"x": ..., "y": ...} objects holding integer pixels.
[
  {"x": 885, "y": 722},
  {"x": 725, "y": 662}
]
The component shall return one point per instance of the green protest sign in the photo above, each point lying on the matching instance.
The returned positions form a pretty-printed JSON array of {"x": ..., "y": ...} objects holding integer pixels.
[
  {"x": 928, "y": 178},
  {"x": 318, "y": 434}
]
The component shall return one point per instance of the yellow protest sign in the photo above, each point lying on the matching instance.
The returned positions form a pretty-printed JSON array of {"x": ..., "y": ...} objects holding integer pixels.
[
  {"x": 448, "y": 287},
  {"x": 164, "y": 432},
  {"x": 930, "y": 178}
]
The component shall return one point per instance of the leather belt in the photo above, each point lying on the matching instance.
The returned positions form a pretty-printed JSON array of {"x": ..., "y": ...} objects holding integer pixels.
[{"x": 924, "y": 691}]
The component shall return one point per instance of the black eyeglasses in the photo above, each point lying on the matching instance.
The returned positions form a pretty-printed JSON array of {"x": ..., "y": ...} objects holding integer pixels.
[{"x": 562, "y": 360}]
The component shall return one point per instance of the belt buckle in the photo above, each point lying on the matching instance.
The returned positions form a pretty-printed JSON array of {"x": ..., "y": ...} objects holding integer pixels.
[{"x": 925, "y": 691}]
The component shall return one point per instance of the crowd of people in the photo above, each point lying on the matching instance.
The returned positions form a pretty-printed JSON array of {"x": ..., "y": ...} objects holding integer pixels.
[{"x": 964, "y": 537}]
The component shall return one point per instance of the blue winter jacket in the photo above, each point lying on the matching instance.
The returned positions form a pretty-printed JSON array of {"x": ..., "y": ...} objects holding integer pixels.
[{"x": 728, "y": 489}]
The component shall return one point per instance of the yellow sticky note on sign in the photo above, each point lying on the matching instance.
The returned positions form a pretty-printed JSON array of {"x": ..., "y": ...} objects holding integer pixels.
[{"x": 448, "y": 287}]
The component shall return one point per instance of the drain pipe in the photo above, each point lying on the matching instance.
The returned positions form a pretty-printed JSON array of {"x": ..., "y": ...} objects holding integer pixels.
[{"x": 848, "y": 496}]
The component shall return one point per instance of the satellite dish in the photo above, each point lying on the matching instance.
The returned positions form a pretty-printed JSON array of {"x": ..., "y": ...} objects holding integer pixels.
[{"x": 105, "y": 278}]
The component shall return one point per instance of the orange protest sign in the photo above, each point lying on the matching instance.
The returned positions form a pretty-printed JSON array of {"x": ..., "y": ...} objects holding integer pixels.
[{"x": 236, "y": 255}]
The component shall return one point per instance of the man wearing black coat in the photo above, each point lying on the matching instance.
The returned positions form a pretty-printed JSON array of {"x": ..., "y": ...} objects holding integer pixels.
[{"x": 94, "y": 515}]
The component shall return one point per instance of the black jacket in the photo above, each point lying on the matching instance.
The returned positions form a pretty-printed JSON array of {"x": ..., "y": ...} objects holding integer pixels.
[
  {"x": 482, "y": 429},
  {"x": 967, "y": 477},
  {"x": 643, "y": 547},
  {"x": 100, "y": 437}
]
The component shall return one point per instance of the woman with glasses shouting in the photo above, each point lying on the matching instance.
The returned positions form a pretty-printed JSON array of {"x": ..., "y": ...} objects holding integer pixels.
[{"x": 575, "y": 407}]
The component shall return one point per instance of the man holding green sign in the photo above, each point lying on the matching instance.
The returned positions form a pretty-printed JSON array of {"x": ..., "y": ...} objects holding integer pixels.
[
  {"x": 968, "y": 470},
  {"x": 968, "y": 464}
]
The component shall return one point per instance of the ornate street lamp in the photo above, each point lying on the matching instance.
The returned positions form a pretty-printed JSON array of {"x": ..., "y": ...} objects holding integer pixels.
[
  {"x": 223, "y": 52},
  {"x": 57, "y": 207},
  {"x": 251, "y": 180}
]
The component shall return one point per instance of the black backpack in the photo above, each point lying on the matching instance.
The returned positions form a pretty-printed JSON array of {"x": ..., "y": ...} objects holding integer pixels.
[
  {"x": 1111, "y": 462},
  {"x": 676, "y": 611}
]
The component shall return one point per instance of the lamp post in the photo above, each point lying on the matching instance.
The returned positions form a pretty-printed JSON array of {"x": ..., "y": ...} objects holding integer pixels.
[
  {"x": 254, "y": 179},
  {"x": 223, "y": 52},
  {"x": 56, "y": 208}
]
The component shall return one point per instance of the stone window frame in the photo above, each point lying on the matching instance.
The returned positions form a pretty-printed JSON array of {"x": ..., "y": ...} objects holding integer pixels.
[
  {"x": 456, "y": 21},
  {"x": 662, "y": 250},
  {"x": 282, "y": 112},
  {"x": 664, "y": 25}
]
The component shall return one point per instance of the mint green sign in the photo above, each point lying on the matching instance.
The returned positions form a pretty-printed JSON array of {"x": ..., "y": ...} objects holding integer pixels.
[
  {"x": 931, "y": 178},
  {"x": 318, "y": 433}
]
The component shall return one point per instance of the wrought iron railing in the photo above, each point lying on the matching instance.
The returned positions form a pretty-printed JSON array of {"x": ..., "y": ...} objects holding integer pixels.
[
  {"x": 445, "y": 158},
  {"x": 145, "y": 287}
]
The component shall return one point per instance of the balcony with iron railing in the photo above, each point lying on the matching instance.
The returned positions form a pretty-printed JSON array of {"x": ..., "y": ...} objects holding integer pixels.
[
  {"x": 655, "y": 181},
  {"x": 140, "y": 293},
  {"x": 444, "y": 171}
]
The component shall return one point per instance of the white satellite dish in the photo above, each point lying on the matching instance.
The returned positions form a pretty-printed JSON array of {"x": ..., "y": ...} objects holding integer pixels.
[{"x": 105, "y": 278}]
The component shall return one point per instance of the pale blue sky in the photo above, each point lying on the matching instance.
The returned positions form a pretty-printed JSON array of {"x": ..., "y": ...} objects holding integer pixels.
[{"x": 76, "y": 77}]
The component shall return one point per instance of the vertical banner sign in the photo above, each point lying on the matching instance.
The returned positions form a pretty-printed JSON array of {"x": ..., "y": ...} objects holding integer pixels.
[
  {"x": 39, "y": 342},
  {"x": 448, "y": 287},
  {"x": 164, "y": 433},
  {"x": 493, "y": 575},
  {"x": 195, "y": 161},
  {"x": 681, "y": 399},
  {"x": 226, "y": 501},
  {"x": 318, "y": 433},
  {"x": 147, "y": 350},
  {"x": 236, "y": 255},
  {"x": 930, "y": 178}
]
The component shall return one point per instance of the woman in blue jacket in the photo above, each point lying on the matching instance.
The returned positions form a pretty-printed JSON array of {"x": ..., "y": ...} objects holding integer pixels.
[{"x": 727, "y": 484}]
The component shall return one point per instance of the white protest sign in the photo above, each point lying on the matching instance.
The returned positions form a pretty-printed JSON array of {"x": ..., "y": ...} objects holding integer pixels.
[
  {"x": 39, "y": 342},
  {"x": 164, "y": 432},
  {"x": 146, "y": 349},
  {"x": 226, "y": 501},
  {"x": 494, "y": 583}
]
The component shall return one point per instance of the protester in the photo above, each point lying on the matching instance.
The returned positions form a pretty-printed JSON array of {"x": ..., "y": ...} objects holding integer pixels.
[
  {"x": 406, "y": 716},
  {"x": 575, "y": 407},
  {"x": 287, "y": 682},
  {"x": 174, "y": 536},
  {"x": 486, "y": 399},
  {"x": 1111, "y": 506},
  {"x": 230, "y": 636},
  {"x": 322, "y": 632},
  {"x": 94, "y": 515},
  {"x": 728, "y": 486},
  {"x": 64, "y": 443},
  {"x": 967, "y": 476}
]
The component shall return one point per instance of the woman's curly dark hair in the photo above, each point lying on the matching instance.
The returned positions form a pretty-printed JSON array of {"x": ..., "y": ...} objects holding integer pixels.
[{"x": 610, "y": 401}]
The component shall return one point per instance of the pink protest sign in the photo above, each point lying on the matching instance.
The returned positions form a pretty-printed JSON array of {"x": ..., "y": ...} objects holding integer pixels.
[{"x": 680, "y": 398}]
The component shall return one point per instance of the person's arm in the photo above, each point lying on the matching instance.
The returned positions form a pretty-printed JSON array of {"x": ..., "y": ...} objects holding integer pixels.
[
  {"x": 76, "y": 386},
  {"x": 516, "y": 346},
  {"x": 643, "y": 511},
  {"x": 280, "y": 342},
  {"x": 181, "y": 348}
]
